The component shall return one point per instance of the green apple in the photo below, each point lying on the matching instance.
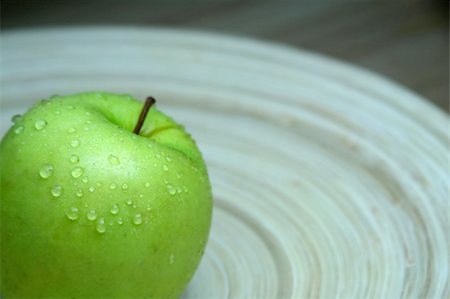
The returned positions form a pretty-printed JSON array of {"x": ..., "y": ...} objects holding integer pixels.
[{"x": 90, "y": 209}]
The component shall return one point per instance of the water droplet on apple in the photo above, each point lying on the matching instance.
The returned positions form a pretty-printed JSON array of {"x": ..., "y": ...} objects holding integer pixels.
[
  {"x": 169, "y": 159},
  {"x": 137, "y": 219},
  {"x": 75, "y": 143},
  {"x": 16, "y": 118},
  {"x": 18, "y": 130},
  {"x": 85, "y": 179},
  {"x": 113, "y": 186},
  {"x": 185, "y": 189},
  {"x": 124, "y": 186},
  {"x": 91, "y": 188},
  {"x": 79, "y": 193},
  {"x": 114, "y": 209},
  {"x": 56, "y": 191},
  {"x": 88, "y": 113},
  {"x": 165, "y": 167},
  {"x": 147, "y": 184},
  {"x": 101, "y": 226},
  {"x": 171, "y": 189},
  {"x": 46, "y": 171},
  {"x": 171, "y": 259},
  {"x": 148, "y": 209},
  {"x": 113, "y": 160},
  {"x": 179, "y": 190},
  {"x": 120, "y": 220},
  {"x": 74, "y": 159},
  {"x": 150, "y": 145},
  {"x": 129, "y": 201},
  {"x": 40, "y": 124},
  {"x": 73, "y": 213},
  {"x": 157, "y": 155},
  {"x": 77, "y": 172},
  {"x": 71, "y": 130},
  {"x": 141, "y": 195},
  {"x": 91, "y": 215}
]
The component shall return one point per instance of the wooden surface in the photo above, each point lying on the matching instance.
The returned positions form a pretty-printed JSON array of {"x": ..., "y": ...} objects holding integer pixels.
[
  {"x": 328, "y": 181},
  {"x": 406, "y": 41}
]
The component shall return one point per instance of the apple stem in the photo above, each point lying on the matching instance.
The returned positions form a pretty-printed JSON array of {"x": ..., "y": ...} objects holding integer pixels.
[{"x": 148, "y": 103}]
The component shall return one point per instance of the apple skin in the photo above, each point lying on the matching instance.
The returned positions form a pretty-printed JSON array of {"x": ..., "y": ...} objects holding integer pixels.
[{"x": 151, "y": 190}]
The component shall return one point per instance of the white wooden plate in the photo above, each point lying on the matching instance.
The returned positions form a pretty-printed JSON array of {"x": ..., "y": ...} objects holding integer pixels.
[{"x": 329, "y": 181}]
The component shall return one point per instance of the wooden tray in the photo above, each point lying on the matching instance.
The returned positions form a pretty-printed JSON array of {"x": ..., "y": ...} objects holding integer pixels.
[{"x": 328, "y": 181}]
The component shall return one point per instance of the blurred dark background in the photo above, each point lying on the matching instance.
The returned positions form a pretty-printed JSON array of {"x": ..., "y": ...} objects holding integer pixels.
[{"x": 405, "y": 40}]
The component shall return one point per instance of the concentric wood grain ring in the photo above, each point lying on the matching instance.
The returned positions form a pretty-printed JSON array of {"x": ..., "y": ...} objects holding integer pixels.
[{"x": 328, "y": 181}]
